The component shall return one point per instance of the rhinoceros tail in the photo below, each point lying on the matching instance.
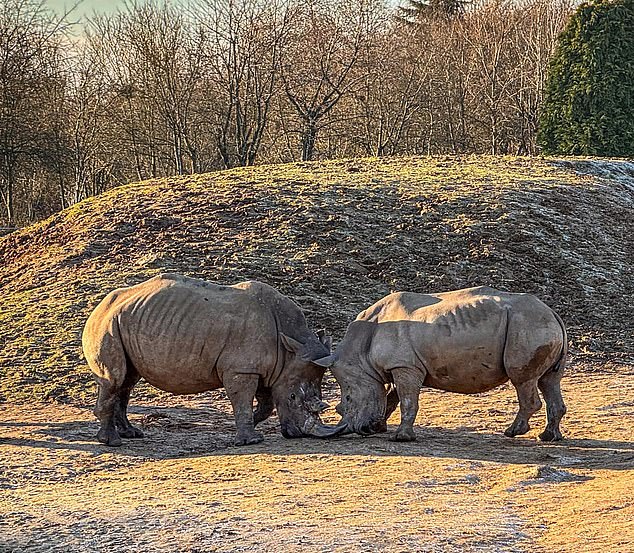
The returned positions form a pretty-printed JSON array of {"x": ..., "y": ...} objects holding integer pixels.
[{"x": 561, "y": 362}]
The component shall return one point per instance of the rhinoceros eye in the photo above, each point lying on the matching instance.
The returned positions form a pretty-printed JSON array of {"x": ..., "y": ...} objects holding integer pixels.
[{"x": 292, "y": 397}]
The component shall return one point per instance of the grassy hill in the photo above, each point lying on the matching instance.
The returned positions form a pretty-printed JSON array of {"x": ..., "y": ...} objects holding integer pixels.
[{"x": 335, "y": 236}]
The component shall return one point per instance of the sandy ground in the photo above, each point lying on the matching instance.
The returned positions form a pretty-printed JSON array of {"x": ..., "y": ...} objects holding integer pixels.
[{"x": 462, "y": 486}]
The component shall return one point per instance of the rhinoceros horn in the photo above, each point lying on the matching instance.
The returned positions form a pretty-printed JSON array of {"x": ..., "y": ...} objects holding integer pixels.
[
  {"x": 324, "y": 338},
  {"x": 318, "y": 429},
  {"x": 325, "y": 361}
]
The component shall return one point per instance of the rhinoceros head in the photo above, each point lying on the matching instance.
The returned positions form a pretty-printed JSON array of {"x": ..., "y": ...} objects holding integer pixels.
[
  {"x": 297, "y": 392},
  {"x": 363, "y": 392}
]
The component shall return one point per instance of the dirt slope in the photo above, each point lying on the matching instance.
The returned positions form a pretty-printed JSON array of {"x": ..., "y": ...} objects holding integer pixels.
[{"x": 335, "y": 236}]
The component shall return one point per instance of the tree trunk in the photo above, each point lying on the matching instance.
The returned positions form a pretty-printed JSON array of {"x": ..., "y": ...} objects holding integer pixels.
[
  {"x": 308, "y": 140},
  {"x": 8, "y": 196}
]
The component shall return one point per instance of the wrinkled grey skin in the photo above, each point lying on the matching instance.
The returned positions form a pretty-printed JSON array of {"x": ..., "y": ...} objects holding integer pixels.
[
  {"x": 466, "y": 341},
  {"x": 186, "y": 336}
]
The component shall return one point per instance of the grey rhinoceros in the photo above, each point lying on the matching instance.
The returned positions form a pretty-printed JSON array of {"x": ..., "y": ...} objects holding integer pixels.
[
  {"x": 184, "y": 335},
  {"x": 466, "y": 341}
]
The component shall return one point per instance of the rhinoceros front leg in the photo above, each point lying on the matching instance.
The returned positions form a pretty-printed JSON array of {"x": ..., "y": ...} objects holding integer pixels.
[
  {"x": 408, "y": 386},
  {"x": 241, "y": 389}
]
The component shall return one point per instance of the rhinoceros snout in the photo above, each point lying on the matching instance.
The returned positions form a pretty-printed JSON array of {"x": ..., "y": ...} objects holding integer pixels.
[
  {"x": 378, "y": 426},
  {"x": 290, "y": 431},
  {"x": 372, "y": 427}
]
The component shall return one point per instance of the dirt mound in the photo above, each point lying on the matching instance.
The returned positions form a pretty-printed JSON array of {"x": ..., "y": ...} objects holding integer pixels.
[{"x": 334, "y": 236}]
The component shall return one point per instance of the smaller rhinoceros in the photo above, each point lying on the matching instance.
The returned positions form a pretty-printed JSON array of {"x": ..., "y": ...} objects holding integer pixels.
[
  {"x": 185, "y": 336},
  {"x": 466, "y": 341}
]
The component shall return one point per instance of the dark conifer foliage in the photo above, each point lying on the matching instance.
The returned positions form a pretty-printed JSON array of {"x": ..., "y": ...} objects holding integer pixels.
[
  {"x": 589, "y": 104},
  {"x": 417, "y": 10}
]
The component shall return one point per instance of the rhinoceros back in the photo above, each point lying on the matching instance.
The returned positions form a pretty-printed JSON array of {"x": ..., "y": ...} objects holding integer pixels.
[
  {"x": 183, "y": 334},
  {"x": 462, "y": 338}
]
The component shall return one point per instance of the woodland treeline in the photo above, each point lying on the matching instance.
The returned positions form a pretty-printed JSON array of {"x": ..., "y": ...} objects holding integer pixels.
[{"x": 161, "y": 89}]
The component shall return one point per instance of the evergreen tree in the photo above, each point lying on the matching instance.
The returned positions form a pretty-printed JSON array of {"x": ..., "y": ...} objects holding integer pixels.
[
  {"x": 417, "y": 10},
  {"x": 589, "y": 98}
]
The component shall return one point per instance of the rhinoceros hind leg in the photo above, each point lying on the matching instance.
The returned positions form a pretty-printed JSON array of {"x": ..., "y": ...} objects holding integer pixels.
[
  {"x": 126, "y": 430},
  {"x": 529, "y": 405},
  {"x": 107, "y": 360},
  {"x": 104, "y": 411},
  {"x": 549, "y": 385}
]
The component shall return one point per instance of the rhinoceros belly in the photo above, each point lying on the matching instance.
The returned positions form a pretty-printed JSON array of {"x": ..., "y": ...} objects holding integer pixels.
[
  {"x": 174, "y": 343},
  {"x": 464, "y": 350},
  {"x": 471, "y": 376}
]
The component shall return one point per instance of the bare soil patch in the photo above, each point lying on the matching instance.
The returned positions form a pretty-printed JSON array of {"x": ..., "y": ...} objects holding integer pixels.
[{"x": 462, "y": 486}]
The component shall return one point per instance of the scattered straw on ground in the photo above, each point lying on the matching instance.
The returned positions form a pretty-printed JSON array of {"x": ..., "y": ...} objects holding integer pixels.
[{"x": 462, "y": 486}]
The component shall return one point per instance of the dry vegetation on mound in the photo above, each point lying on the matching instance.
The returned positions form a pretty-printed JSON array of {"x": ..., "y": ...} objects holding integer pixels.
[{"x": 335, "y": 236}]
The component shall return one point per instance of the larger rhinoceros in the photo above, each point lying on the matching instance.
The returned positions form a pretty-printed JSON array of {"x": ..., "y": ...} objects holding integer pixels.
[
  {"x": 466, "y": 341},
  {"x": 184, "y": 335}
]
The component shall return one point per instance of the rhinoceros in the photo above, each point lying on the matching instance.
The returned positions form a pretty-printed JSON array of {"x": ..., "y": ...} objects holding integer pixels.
[
  {"x": 465, "y": 341},
  {"x": 185, "y": 336}
]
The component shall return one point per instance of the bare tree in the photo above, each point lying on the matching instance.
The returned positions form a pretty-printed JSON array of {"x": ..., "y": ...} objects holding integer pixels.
[
  {"x": 326, "y": 45},
  {"x": 153, "y": 57},
  {"x": 539, "y": 25},
  {"x": 247, "y": 38},
  {"x": 131, "y": 120},
  {"x": 393, "y": 94},
  {"x": 87, "y": 108},
  {"x": 29, "y": 61},
  {"x": 170, "y": 66},
  {"x": 489, "y": 33}
]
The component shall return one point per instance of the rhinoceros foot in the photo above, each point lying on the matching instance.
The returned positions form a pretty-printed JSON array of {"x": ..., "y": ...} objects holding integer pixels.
[
  {"x": 248, "y": 438},
  {"x": 403, "y": 435},
  {"x": 550, "y": 436},
  {"x": 519, "y": 427},
  {"x": 109, "y": 437},
  {"x": 131, "y": 433}
]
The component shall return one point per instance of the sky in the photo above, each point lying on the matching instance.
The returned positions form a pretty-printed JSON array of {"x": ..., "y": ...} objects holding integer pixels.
[{"x": 87, "y": 7}]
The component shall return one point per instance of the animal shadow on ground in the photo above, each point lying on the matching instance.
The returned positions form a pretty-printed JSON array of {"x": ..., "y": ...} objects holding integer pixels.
[{"x": 183, "y": 432}]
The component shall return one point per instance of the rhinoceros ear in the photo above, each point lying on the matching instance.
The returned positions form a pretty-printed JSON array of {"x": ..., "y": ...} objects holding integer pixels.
[
  {"x": 291, "y": 344},
  {"x": 324, "y": 338},
  {"x": 325, "y": 362}
]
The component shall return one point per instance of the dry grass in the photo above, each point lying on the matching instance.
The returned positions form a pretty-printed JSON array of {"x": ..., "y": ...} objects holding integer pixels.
[{"x": 462, "y": 487}]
